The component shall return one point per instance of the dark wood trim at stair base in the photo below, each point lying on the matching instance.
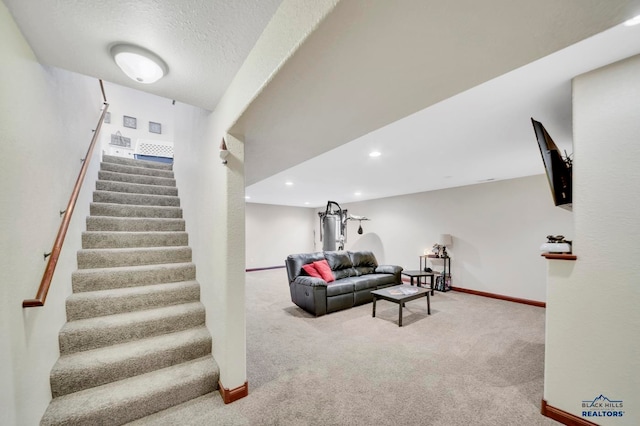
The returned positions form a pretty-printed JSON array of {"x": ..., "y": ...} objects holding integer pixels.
[
  {"x": 263, "y": 269},
  {"x": 501, "y": 297},
  {"x": 230, "y": 395},
  {"x": 559, "y": 256},
  {"x": 562, "y": 416}
]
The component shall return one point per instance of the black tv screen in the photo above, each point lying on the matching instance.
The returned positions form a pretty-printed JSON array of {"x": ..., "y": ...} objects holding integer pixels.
[{"x": 558, "y": 169}]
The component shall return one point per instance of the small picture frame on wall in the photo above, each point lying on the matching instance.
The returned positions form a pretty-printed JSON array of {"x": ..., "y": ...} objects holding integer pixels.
[
  {"x": 155, "y": 127},
  {"x": 107, "y": 117},
  {"x": 130, "y": 122}
]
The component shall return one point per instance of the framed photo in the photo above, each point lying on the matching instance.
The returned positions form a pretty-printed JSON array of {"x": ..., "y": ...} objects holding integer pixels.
[
  {"x": 107, "y": 117},
  {"x": 155, "y": 127},
  {"x": 129, "y": 122}
]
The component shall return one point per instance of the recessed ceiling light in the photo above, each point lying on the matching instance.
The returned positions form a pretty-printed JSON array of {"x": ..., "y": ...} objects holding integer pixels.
[
  {"x": 357, "y": 194},
  {"x": 288, "y": 183},
  {"x": 139, "y": 64},
  {"x": 246, "y": 197},
  {"x": 306, "y": 203},
  {"x": 633, "y": 21},
  {"x": 375, "y": 154}
]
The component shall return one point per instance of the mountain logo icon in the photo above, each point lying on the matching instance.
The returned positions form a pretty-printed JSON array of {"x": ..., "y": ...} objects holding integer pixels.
[{"x": 598, "y": 400}]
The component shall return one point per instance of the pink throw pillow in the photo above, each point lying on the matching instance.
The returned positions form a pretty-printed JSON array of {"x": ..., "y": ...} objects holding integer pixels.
[
  {"x": 310, "y": 269},
  {"x": 322, "y": 266}
]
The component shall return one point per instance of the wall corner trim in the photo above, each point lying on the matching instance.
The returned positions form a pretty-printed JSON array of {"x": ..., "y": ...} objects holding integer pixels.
[
  {"x": 501, "y": 297},
  {"x": 231, "y": 395},
  {"x": 562, "y": 416}
]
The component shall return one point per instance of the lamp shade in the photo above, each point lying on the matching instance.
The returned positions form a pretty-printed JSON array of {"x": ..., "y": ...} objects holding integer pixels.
[
  {"x": 446, "y": 240},
  {"x": 139, "y": 64}
]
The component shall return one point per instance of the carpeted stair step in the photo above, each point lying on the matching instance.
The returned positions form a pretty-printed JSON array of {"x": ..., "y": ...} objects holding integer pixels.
[
  {"x": 109, "y": 258},
  {"x": 129, "y": 399},
  {"x": 111, "y": 239},
  {"x": 136, "y": 188},
  {"x": 92, "y": 333},
  {"x": 135, "y": 199},
  {"x": 125, "y": 210},
  {"x": 137, "y": 163},
  {"x": 131, "y": 276},
  {"x": 83, "y": 370},
  {"x": 141, "y": 179},
  {"x": 98, "y": 303},
  {"x": 134, "y": 170},
  {"x": 134, "y": 224}
]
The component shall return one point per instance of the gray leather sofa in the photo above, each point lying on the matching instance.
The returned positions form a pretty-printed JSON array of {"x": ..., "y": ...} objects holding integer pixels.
[{"x": 356, "y": 274}]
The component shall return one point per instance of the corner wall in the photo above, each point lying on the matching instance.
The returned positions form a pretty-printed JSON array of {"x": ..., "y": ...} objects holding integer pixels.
[
  {"x": 593, "y": 320},
  {"x": 274, "y": 232},
  {"x": 497, "y": 230},
  {"x": 46, "y": 121},
  {"x": 212, "y": 194}
]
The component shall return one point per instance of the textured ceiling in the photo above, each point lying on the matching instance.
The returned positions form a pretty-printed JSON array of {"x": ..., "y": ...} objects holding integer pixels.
[
  {"x": 443, "y": 89},
  {"x": 371, "y": 64},
  {"x": 204, "y": 42}
]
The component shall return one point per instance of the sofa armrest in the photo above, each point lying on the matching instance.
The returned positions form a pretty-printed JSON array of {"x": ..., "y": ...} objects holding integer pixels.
[
  {"x": 309, "y": 281},
  {"x": 388, "y": 269},
  {"x": 309, "y": 293}
]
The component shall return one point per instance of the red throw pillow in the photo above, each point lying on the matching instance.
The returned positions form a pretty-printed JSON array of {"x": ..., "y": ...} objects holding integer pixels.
[
  {"x": 322, "y": 266},
  {"x": 310, "y": 269}
]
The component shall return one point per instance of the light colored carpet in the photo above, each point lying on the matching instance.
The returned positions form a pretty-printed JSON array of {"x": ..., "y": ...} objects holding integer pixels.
[{"x": 473, "y": 361}]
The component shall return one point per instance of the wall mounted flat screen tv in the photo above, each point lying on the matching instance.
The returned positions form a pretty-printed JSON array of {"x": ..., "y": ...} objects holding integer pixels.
[{"x": 558, "y": 169}]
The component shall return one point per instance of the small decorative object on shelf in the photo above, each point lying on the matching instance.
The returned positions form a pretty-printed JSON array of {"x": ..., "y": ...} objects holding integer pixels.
[{"x": 556, "y": 244}]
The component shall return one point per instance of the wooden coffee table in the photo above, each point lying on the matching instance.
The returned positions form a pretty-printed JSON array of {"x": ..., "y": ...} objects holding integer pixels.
[{"x": 401, "y": 294}]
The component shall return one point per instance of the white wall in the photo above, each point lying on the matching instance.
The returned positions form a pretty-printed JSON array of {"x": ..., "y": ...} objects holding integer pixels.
[
  {"x": 497, "y": 230},
  {"x": 274, "y": 232},
  {"x": 46, "y": 121},
  {"x": 145, "y": 107},
  {"x": 212, "y": 194},
  {"x": 593, "y": 320}
]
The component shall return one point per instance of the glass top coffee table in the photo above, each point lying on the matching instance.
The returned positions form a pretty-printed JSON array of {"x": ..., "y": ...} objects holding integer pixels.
[{"x": 401, "y": 294}]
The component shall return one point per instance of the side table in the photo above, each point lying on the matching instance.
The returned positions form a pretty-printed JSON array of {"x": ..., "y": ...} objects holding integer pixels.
[{"x": 419, "y": 274}]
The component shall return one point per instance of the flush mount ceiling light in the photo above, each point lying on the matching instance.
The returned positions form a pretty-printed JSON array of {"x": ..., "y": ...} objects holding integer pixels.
[
  {"x": 633, "y": 21},
  {"x": 375, "y": 154},
  {"x": 139, "y": 64}
]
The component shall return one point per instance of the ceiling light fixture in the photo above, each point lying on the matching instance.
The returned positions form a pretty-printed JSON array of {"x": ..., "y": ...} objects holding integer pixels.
[
  {"x": 288, "y": 183},
  {"x": 375, "y": 154},
  {"x": 139, "y": 64},
  {"x": 633, "y": 21}
]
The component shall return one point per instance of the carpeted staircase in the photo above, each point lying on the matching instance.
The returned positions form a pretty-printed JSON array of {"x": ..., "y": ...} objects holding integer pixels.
[{"x": 135, "y": 342}]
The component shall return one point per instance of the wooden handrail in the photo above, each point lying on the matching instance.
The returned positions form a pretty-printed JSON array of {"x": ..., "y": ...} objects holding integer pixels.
[
  {"x": 41, "y": 296},
  {"x": 104, "y": 96}
]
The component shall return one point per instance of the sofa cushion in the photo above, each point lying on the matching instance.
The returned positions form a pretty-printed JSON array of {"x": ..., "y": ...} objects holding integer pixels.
[
  {"x": 343, "y": 286},
  {"x": 364, "y": 262},
  {"x": 324, "y": 270},
  {"x": 311, "y": 270},
  {"x": 368, "y": 282},
  {"x": 363, "y": 258},
  {"x": 340, "y": 264},
  {"x": 294, "y": 263}
]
